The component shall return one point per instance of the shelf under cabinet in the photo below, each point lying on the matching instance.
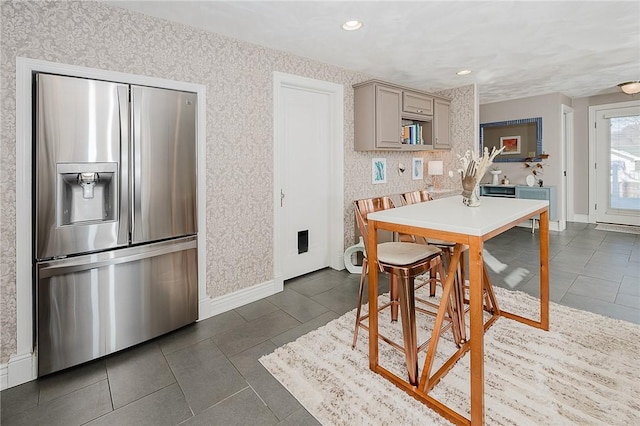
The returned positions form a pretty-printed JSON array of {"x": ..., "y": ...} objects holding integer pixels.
[{"x": 505, "y": 191}]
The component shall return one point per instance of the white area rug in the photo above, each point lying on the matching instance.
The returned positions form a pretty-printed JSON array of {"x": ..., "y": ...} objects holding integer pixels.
[
  {"x": 627, "y": 229},
  {"x": 584, "y": 371}
]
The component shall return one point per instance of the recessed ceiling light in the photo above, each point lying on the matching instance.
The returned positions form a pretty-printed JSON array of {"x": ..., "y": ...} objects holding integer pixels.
[
  {"x": 352, "y": 25},
  {"x": 464, "y": 72}
]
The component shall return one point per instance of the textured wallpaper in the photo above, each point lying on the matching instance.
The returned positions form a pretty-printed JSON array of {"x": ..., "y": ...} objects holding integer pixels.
[{"x": 238, "y": 79}]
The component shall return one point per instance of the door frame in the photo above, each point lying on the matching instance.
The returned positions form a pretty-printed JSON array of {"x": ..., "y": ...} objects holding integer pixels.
[
  {"x": 22, "y": 366},
  {"x": 567, "y": 210},
  {"x": 336, "y": 159},
  {"x": 593, "y": 155}
]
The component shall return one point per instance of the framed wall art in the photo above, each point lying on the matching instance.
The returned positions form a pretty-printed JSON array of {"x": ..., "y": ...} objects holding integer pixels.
[
  {"x": 417, "y": 172},
  {"x": 511, "y": 144},
  {"x": 379, "y": 170}
]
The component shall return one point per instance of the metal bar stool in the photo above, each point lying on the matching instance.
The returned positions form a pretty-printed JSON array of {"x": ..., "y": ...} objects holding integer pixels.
[{"x": 403, "y": 261}]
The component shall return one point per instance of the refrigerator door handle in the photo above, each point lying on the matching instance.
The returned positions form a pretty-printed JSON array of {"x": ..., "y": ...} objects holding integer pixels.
[
  {"x": 93, "y": 261},
  {"x": 134, "y": 168},
  {"x": 125, "y": 167}
]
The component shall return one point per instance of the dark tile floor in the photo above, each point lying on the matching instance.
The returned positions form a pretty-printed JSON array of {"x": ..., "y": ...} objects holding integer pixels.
[{"x": 208, "y": 373}]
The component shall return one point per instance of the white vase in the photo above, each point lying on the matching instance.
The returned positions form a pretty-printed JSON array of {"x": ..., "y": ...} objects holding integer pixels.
[{"x": 495, "y": 174}]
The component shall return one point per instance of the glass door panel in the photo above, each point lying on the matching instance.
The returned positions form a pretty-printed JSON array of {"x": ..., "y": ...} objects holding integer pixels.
[{"x": 618, "y": 166}]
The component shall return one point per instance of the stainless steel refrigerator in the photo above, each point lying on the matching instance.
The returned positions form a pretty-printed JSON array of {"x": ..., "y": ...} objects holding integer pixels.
[{"x": 115, "y": 256}]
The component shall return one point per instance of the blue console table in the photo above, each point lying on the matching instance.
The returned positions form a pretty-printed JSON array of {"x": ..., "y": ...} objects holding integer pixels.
[{"x": 522, "y": 191}]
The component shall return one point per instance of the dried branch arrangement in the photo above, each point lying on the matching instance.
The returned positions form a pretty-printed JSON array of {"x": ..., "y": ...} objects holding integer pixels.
[
  {"x": 537, "y": 167},
  {"x": 476, "y": 167},
  {"x": 473, "y": 169}
]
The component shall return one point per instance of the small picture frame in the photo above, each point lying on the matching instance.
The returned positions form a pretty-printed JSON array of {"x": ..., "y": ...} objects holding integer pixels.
[
  {"x": 511, "y": 144},
  {"x": 417, "y": 172},
  {"x": 378, "y": 170}
]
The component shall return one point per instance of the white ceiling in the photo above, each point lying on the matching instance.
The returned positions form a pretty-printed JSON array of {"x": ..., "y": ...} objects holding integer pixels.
[{"x": 515, "y": 49}]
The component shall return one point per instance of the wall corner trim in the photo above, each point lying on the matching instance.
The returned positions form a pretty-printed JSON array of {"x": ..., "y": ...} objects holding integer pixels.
[{"x": 20, "y": 369}]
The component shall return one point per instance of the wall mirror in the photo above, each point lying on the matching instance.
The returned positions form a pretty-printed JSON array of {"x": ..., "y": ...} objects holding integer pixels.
[{"x": 522, "y": 139}]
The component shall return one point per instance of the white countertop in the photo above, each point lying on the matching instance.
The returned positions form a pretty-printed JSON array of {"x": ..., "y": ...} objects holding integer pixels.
[{"x": 449, "y": 214}]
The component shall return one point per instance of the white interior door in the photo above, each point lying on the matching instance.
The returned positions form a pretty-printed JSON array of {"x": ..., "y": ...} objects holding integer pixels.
[
  {"x": 309, "y": 226},
  {"x": 305, "y": 200},
  {"x": 617, "y": 165}
]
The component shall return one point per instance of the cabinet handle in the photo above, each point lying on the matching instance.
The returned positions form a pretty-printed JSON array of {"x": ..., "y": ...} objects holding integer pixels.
[{"x": 420, "y": 110}]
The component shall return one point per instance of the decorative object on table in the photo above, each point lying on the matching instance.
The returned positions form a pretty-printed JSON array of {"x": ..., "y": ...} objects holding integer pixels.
[
  {"x": 530, "y": 180},
  {"x": 495, "y": 172},
  {"x": 505, "y": 180},
  {"x": 379, "y": 170},
  {"x": 536, "y": 164},
  {"x": 472, "y": 171},
  {"x": 329, "y": 378},
  {"x": 418, "y": 169},
  {"x": 435, "y": 168}
]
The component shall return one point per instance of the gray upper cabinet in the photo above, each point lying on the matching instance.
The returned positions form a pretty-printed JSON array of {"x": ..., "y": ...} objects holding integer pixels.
[
  {"x": 441, "y": 124},
  {"x": 392, "y": 117},
  {"x": 417, "y": 103},
  {"x": 377, "y": 117},
  {"x": 387, "y": 108}
]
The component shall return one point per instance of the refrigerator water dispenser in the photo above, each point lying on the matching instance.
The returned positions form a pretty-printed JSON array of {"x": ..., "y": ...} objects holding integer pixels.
[{"x": 86, "y": 193}]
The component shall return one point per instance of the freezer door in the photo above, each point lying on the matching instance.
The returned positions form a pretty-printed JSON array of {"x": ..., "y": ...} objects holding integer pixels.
[
  {"x": 164, "y": 163},
  {"x": 80, "y": 174},
  {"x": 93, "y": 305}
]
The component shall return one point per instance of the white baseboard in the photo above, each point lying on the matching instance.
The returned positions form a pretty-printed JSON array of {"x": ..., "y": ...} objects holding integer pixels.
[
  {"x": 4, "y": 377},
  {"x": 209, "y": 307},
  {"x": 20, "y": 369},
  {"x": 581, "y": 218}
]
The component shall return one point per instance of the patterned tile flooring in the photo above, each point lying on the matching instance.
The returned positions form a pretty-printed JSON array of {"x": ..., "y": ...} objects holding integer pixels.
[{"x": 208, "y": 373}]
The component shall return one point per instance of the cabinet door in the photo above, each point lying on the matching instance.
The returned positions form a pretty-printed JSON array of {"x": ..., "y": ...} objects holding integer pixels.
[
  {"x": 417, "y": 103},
  {"x": 540, "y": 193},
  {"x": 388, "y": 123},
  {"x": 441, "y": 125}
]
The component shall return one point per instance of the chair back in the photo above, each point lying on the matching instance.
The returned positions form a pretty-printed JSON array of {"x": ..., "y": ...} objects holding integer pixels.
[
  {"x": 369, "y": 205},
  {"x": 414, "y": 197}
]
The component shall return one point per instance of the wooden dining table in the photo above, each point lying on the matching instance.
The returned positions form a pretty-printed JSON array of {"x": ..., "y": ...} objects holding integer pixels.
[{"x": 449, "y": 219}]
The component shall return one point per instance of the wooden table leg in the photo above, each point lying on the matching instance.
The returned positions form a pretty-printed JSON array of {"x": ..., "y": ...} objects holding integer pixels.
[
  {"x": 544, "y": 270},
  {"x": 447, "y": 289},
  {"x": 477, "y": 330},
  {"x": 373, "y": 295}
]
